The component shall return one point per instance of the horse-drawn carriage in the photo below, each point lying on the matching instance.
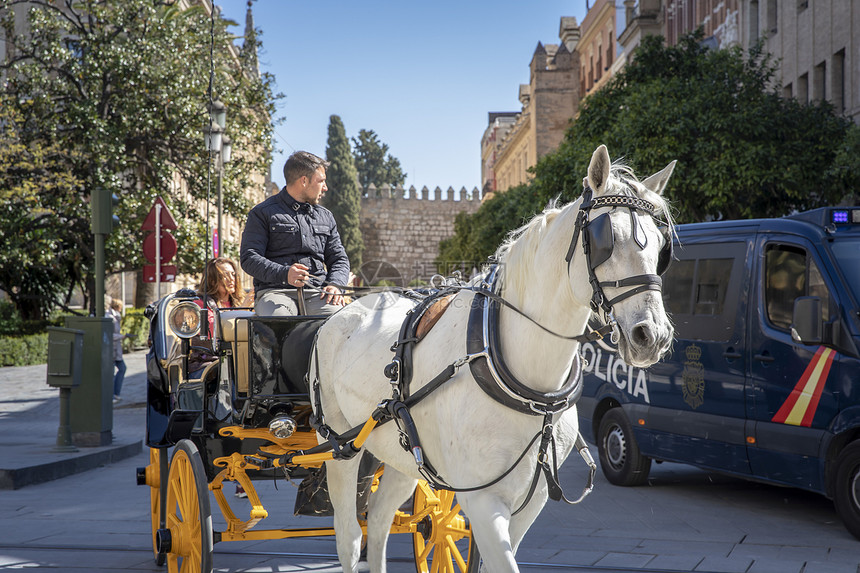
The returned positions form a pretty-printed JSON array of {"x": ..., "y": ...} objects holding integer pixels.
[
  {"x": 236, "y": 422},
  {"x": 481, "y": 403}
]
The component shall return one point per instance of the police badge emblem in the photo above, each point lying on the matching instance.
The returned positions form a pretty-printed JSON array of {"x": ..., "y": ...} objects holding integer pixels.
[{"x": 694, "y": 377}]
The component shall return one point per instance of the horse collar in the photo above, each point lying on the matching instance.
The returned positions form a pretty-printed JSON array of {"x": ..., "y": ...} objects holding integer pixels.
[{"x": 492, "y": 374}]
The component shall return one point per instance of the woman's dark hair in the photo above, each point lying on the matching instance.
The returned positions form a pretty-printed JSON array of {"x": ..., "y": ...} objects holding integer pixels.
[{"x": 213, "y": 277}]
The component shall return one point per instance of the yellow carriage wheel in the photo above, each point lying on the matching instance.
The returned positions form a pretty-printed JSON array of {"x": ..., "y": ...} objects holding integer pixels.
[
  {"x": 443, "y": 541},
  {"x": 187, "y": 536},
  {"x": 156, "y": 478}
]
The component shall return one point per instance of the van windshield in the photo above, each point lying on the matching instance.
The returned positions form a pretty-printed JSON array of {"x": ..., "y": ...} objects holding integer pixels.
[{"x": 847, "y": 254}]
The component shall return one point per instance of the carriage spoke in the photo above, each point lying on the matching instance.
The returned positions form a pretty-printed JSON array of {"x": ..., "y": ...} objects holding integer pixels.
[
  {"x": 436, "y": 563},
  {"x": 447, "y": 559},
  {"x": 455, "y": 551},
  {"x": 425, "y": 553}
]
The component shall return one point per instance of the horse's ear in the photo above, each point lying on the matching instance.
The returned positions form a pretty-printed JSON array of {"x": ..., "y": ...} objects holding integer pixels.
[
  {"x": 657, "y": 182},
  {"x": 598, "y": 170}
]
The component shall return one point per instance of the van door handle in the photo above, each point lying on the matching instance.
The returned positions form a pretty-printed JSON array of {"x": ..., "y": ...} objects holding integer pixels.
[
  {"x": 731, "y": 354},
  {"x": 765, "y": 357}
]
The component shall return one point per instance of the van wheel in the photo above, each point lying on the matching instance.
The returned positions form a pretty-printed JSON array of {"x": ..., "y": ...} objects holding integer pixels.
[
  {"x": 620, "y": 460},
  {"x": 846, "y": 488}
]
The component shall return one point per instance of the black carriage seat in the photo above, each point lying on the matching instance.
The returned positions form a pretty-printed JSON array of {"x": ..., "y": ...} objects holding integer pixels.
[{"x": 280, "y": 351}]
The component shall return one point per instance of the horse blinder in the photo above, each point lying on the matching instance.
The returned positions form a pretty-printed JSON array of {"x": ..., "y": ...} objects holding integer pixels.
[
  {"x": 600, "y": 239},
  {"x": 667, "y": 252}
]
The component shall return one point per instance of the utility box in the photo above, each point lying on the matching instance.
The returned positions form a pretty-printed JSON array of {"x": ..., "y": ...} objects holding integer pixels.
[
  {"x": 91, "y": 410},
  {"x": 65, "y": 357}
]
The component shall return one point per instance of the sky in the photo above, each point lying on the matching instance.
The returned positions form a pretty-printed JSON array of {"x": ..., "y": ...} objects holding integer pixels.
[{"x": 422, "y": 74}]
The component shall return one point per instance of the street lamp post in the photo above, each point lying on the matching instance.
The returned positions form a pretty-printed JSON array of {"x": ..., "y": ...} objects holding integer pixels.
[
  {"x": 224, "y": 157},
  {"x": 218, "y": 143}
]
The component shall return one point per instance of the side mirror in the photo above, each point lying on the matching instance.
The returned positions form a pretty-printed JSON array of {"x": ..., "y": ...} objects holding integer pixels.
[{"x": 806, "y": 326}]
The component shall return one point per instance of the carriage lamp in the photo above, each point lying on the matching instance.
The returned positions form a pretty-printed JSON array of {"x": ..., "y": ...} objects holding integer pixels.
[
  {"x": 184, "y": 319},
  {"x": 282, "y": 426}
]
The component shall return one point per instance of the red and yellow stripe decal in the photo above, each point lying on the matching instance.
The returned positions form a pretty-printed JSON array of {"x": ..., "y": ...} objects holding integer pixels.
[{"x": 799, "y": 408}]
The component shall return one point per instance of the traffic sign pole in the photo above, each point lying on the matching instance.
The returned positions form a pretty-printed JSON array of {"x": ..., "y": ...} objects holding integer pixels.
[{"x": 158, "y": 251}]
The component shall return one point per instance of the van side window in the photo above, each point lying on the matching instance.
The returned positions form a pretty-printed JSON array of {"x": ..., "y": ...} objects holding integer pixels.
[
  {"x": 677, "y": 285},
  {"x": 711, "y": 283},
  {"x": 700, "y": 290},
  {"x": 790, "y": 273}
]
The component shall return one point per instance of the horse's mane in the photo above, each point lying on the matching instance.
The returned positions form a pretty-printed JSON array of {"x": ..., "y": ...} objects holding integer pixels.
[{"x": 622, "y": 181}]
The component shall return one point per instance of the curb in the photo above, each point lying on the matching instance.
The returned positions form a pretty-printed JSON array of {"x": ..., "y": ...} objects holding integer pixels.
[{"x": 18, "y": 478}]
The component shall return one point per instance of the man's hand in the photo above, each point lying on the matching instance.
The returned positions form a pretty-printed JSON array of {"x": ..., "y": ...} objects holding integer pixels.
[
  {"x": 332, "y": 295},
  {"x": 297, "y": 275}
]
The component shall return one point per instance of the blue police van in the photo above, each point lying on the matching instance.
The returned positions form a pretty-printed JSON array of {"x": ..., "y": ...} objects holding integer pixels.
[{"x": 763, "y": 379}]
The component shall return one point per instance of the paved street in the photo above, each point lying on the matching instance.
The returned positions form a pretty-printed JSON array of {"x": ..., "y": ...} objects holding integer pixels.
[{"x": 684, "y": 520}]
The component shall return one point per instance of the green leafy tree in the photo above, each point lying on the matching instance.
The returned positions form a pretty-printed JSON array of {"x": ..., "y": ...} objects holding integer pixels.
[
  {"x": 343, "y": 197},
  {"x": 743, "y": 150},
  {"x": 43, "y": 220},
  {"x": 374, "y": 163},
  {"x": 121, "y": 87}
]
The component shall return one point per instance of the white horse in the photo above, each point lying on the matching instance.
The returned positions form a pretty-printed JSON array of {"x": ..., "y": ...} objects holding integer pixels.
[{"x": 468, "y": 437}]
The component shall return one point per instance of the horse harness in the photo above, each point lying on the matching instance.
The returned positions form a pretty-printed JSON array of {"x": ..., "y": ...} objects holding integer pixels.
[
  {"x": 487, "y": 364},
  {"x": 598, "y": 242}
]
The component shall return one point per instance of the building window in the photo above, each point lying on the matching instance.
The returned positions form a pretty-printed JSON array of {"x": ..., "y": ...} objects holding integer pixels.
[
  {"x": 803, "y": 88},
  {"x": 786, "y": 91},
  {"x": 609, "y": 53},
  {"x": 837, "y": 81},
  {"x": 754, "y": 31},
  {"x": 819, "y": 90},
  {"x": 771, "y": 16}
]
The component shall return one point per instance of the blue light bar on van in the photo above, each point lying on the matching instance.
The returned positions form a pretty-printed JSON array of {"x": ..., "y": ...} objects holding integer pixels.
[{"x": 845, "y": 216}]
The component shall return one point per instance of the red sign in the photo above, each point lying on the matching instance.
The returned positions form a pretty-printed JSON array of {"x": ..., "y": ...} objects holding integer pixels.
[
  {"x": 168, "y": 273},
  {"x": 167, "y": 220},
  {"x": 168, "y": 247}
]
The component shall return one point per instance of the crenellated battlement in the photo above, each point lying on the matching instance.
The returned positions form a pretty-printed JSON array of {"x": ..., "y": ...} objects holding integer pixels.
[{"x": 386, "y": 191}]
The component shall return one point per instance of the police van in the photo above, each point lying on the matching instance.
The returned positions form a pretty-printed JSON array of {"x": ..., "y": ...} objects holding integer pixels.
[{"x": 763, "y": 379}]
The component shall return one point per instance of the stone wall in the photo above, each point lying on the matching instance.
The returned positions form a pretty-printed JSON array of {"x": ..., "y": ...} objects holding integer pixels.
[{"x": 402, "y": 228}]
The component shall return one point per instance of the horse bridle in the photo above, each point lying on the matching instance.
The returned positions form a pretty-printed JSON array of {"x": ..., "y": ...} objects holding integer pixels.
[{"x": 598, "y": 243}]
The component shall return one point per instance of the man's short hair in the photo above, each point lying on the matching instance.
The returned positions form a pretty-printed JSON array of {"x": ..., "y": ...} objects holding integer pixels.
[{"x": 302, "y": 164}]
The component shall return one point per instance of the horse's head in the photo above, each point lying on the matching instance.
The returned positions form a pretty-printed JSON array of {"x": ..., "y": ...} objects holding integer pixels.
[{"x": 626, "y": 253}]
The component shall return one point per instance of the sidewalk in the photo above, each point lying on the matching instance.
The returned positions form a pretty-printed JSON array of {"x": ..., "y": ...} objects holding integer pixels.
[{"x": 30, "y": 417}]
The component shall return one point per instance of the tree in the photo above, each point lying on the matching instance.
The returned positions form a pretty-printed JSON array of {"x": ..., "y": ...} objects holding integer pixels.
[
  {"x": 121, "y": 87},
  {"x": 43, "y": 218},
  {"x": 743, "y": 150},
  {"x": 343, "y": 197},
  {"x": 374, "y": 163}
]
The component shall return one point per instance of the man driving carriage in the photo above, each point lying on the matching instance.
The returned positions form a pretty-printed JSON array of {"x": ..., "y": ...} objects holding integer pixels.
[{"x": 291, "y": 242}]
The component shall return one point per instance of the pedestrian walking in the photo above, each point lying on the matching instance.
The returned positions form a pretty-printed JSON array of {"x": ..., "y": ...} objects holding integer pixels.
[{"x": 115, "y": 312}]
